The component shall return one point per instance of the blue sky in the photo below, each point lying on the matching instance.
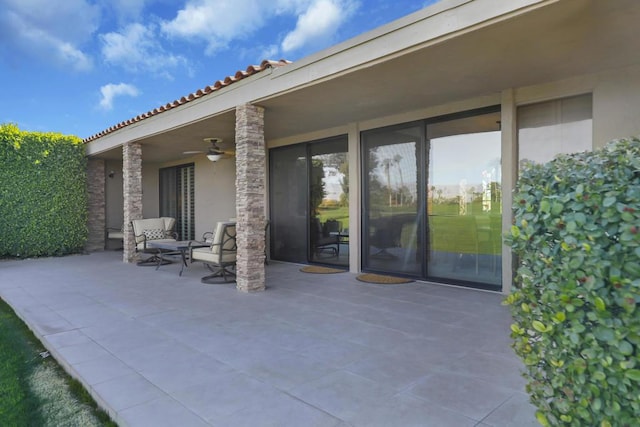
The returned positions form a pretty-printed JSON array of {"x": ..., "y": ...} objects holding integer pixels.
[{"x": 80, "y": 66}]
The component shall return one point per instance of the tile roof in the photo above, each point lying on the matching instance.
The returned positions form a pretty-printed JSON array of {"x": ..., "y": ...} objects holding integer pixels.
[{"x": 239, "y": 75}]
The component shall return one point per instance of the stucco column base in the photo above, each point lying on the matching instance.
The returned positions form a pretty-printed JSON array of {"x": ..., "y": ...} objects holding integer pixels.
[
  {"x": 250, "y": 198},
  {"x": 132, "y": 192}
]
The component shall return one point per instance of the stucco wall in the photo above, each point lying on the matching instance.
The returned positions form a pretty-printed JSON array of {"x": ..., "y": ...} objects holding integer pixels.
[
  {"x": 616, "y": 105},
  {"x": 215, "y": 192},
  {"x": 150, "y": 190}
]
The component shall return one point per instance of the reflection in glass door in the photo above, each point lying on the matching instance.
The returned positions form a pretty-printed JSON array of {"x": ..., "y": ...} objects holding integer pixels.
[
  {"x": 432, "y": 199},
  {"x": 464, "y": 200},
  {"x": 392, "y": 206},
  {"x": 329, "y": 202}
]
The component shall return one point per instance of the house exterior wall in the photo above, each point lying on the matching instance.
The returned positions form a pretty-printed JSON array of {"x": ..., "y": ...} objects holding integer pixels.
[
  {"x": 215, "y": 192},
  {"x": 524, "y": 80},
  {"x": 150, "y": 190},
  {"x": 616, "y": 103}
]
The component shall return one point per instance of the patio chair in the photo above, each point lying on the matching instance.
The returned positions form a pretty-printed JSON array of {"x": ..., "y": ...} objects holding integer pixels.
[
  {"x": 220, "y": 257},
  {"x": 321, "y": 240},
  {"x": 385, "y": 233},
  {"x": 157, "y": 229}
]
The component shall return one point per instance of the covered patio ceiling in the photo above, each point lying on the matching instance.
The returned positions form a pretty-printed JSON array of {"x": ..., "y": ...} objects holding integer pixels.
[{"x": 549, "y": 43}]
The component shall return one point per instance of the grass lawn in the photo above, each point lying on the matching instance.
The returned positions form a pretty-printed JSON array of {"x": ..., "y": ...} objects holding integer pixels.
[
  {"x": 34, "y": 389},
  {"x": 340, "y": 213}
]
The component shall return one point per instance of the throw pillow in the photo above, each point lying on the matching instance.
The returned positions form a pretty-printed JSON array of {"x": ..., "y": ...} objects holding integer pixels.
[{"x": 153, "y": 234}]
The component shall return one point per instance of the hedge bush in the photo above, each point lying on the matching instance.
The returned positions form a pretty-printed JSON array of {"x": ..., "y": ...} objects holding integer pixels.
[
  {"x": 43, "y": 195},
  {"x": 577, "y": 324}
]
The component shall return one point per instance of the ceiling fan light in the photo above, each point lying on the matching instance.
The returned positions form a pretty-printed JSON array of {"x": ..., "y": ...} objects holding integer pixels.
[{"x": 214, "y": 157}]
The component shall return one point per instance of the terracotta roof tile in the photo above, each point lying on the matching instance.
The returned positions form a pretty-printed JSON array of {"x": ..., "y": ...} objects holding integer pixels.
[{"x": 239, "y": 75}]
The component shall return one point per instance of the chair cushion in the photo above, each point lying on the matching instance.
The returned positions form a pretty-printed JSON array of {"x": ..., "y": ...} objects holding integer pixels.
[
  {"x": 169, "y": 222},
  {"x": 154, "y": 234},
  {"x": 205, "y": 254},
  {"x": 219, "y": 237}
]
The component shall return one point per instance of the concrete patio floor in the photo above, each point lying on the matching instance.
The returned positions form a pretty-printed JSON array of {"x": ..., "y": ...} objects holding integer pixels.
[{"x": 155, "y": 349}]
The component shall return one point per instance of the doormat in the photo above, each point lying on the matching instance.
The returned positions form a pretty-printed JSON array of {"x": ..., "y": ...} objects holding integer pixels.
[
  {"x": 381, "y": 279},
  {"x": 321, "y": 270}
]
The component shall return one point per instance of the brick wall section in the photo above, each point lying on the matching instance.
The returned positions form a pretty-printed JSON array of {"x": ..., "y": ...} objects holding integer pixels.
[
  {"x": 96, "y": 221},
  {"x": 250, "y": 198},
  {"x": 132, "y": 192}
]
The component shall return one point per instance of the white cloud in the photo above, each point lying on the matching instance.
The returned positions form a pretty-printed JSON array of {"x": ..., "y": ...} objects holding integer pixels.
[
  {"x": 318, "y": 24},
  {"x": 137, "y": 48},
  {"x": 55, "y": 33},
  {"x": 111, "y": 91},
  {"x": 219, "y": 22}
]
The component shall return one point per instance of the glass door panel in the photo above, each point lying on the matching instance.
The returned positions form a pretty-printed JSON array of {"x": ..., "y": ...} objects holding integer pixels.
[
  {"x": 329, "y": 202},
  {"x": 392, "y": 206},
  {"x": 464, "y": 200},
  {"x": 288, "y": 204}
]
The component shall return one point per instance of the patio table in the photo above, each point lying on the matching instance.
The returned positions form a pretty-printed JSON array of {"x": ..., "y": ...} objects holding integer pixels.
[{"x": 179, "y": 247}]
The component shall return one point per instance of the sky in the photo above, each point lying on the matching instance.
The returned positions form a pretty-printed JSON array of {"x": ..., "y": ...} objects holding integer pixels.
[{"x": 77, "y": 67}]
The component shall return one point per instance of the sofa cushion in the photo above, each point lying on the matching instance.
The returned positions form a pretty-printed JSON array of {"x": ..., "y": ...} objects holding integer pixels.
[{"x": 154, "y": 234}]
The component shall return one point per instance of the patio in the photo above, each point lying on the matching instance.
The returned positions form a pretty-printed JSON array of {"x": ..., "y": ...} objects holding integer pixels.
[{"x": 313, "y": 350}]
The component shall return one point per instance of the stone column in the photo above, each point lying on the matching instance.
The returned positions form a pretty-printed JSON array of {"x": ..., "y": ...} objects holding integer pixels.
[
  {"x": 250, "y": 198},
  {"x": 132, "y": 193},
  {"x": 96, "y": 222}
]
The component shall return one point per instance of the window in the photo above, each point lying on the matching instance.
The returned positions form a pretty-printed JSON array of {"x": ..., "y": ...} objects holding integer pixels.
[{"x": 547, "y": 129}]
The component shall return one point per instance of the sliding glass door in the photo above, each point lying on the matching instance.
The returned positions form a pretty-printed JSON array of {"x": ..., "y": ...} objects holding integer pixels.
[
  {"x": 177, "y": 198},
  {"x": 464, "y": 200},
  {"x": 288, "y": 203},
  {"x": 392, "y": 220},
  {"x": 432, "y": 200},
  {"x": 309, "y": 202}
]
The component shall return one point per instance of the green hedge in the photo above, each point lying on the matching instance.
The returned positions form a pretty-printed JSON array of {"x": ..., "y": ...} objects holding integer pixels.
[
  {"x": 577, "y": 323},
  {"x": 43, "y": 193}
]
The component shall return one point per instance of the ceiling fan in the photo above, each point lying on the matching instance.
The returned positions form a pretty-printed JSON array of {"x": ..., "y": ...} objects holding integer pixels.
[{"x": 214, "y": 153}]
